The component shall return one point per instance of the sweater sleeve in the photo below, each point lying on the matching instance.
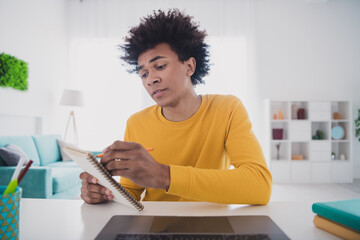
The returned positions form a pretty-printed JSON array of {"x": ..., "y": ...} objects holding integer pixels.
[{"x": 249, "y": 182}]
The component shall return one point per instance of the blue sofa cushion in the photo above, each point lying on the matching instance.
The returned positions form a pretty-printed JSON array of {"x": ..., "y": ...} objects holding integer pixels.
[
  {"x": 48, "y": 148},
  {"x": 64, "y": 178},
  {"x": 26, "y": 143}
]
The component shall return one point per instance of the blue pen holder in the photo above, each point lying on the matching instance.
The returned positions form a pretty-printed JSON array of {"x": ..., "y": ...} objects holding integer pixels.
[{"x": 9, "y": 214}]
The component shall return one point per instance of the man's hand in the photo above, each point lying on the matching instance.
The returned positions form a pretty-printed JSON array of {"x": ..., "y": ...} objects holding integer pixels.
[
  {"x": 131, "y": 160},
  {"x": 91, "y": 191}
]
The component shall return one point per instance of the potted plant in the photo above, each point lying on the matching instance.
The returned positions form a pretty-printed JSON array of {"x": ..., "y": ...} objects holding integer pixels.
[
  {"x": 13, "y": 72},
  {"x": 357, "y": 126}
]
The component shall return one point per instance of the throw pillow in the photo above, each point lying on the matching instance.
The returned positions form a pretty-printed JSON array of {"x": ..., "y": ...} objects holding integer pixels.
[
  {"x": 63, "y": 144},
  {"x": 12, "y": 154}
]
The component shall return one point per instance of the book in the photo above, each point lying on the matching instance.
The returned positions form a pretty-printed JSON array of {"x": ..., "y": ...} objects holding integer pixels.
[
  {"x": 88, "y": 162},
  {"x": 345, "y": 212},
  {"x": 335, "y": 228}
]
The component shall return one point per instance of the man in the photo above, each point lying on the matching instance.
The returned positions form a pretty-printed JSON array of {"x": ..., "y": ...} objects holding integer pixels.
[{"x": 195, "y": 139}]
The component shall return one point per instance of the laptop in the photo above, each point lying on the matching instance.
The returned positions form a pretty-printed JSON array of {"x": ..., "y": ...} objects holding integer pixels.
[{"x": 122, "y": 227}]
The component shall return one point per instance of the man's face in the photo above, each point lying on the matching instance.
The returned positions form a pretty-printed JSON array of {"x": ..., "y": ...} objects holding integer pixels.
[{"x": 165, "y": 78}]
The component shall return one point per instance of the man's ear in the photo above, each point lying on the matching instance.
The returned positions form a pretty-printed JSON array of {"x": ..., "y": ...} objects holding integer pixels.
[{"x": 191, "y": 66}]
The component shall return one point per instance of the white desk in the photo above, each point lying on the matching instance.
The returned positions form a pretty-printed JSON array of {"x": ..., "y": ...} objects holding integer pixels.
[{"x": 74, "y": 219}]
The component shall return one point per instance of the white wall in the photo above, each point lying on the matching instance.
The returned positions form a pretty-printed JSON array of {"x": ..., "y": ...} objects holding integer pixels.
[
  {"x": 309, "y": 50},
  {"x": 97, "y": 26},
  {"x": 305, "y": 49},
  {"x": 35, "y": 31}
]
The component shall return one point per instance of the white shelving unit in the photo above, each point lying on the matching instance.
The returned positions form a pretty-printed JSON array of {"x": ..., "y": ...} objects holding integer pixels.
[{"x": 322, "y": 160}]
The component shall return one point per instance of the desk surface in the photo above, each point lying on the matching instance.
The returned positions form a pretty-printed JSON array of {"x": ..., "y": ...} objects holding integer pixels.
[{"x": 74, "y": 219}]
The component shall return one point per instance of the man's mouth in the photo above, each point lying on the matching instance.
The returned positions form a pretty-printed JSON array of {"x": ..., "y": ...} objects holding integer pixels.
[{"x": 158, "y": 92}]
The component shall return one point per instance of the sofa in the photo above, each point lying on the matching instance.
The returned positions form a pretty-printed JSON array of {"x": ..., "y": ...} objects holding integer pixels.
[{"x": 48, "y": 176}]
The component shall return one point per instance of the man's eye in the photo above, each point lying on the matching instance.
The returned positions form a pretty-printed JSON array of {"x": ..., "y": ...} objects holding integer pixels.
[
  {"x": 161, "y": 67},
  {"x": 144, "y": 75}
]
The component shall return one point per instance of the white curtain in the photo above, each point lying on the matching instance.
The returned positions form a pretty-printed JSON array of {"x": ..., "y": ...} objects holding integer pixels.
[{"x": 96, "y": 27}]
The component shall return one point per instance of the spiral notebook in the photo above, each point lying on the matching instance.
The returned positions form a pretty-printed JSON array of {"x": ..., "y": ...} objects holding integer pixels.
[{"x": 88, "y": 162}]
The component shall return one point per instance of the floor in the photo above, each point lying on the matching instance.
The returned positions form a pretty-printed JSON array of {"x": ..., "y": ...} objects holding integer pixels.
[{"x": 315, "y": 192}]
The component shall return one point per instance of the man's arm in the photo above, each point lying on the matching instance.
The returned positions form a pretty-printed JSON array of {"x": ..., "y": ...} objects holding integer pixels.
[{"x": 249, "y": 183}]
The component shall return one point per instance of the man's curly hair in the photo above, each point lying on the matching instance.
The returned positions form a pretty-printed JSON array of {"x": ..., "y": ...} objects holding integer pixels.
[{"x": 177, "y": 30}]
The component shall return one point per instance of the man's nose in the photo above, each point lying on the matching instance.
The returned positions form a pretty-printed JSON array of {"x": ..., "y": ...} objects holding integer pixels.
[{"x": 152, "y": 79}]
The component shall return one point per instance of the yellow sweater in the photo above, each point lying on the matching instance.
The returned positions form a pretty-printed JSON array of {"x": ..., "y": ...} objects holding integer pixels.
[{"x": 200, "y": 151}]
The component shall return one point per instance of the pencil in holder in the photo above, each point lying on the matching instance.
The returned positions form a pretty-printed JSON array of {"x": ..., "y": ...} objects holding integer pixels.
[{"x": 9, "y": 214}]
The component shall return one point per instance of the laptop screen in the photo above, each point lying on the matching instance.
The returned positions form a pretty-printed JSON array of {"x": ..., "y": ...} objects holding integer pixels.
[{"x": 190, "y": 227}]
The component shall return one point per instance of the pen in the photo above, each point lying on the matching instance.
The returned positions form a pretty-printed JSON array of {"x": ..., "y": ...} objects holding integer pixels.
[
  {"x": 24, "y": 171},
  {"x": 147, "y": 149},
  {"x": 11, "y": 187},
  {"x": 18, "y": 168}
]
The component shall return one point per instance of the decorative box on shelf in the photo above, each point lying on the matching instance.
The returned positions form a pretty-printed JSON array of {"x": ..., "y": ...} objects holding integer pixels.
[{"x": 309, "y": 141}]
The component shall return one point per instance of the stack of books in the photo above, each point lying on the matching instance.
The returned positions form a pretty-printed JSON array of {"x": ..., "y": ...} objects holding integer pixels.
[{"x": 341, "y": 218}]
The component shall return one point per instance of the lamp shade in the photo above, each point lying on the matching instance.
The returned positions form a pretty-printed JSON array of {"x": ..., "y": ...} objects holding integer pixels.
[{"x": 72, "y": 98}]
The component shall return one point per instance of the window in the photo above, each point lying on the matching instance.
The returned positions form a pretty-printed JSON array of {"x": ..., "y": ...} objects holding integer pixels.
[{"x": 112, "y": 94}]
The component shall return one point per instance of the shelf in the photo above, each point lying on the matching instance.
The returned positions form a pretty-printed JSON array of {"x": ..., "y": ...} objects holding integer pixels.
[
  {"x": 300, "y": 120},
  {"x": 299, "y": 110},
  {"x": 280, "y": 141},
  {"x": 341, "y": 148},
  {"x": 300, "y": 149},
  {"x": 340, "y": 141},
  {"x": 320, "y": 130},
  {"x": 316, "y": 163},
  {"x": 277, "y": 126},
  {"x": 279, "y": 106},
  {"x": 320, "y": 161},
  {"x": 320, "y": 111},
  {"x": 320, "y": 150},
  {"x": 323, "y": 140},
  {"x": 339, "y": 121},
  {"x": 345, "y": 126},
  {"x": 342, "y": 108},
  {"x": 279, "y": 150},
  {"x": 279, "y": 121},
  {"x": 299, "y": 131}
]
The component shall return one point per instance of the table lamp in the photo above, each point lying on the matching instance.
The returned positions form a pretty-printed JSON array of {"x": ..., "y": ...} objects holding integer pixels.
[{"x": 73, "y": 98}]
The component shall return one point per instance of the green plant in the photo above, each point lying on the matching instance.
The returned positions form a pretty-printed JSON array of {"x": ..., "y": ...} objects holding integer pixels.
[
  {"x": 357, "y": 126},
  {"x": 13, "y": 72}
]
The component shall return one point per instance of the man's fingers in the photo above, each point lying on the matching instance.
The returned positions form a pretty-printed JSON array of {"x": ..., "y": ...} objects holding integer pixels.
[
  {"x": 123, "y": 146},
  {"x": 83, "y": 175},
  {"x": 96, "y": 188},
  {"x": 88, "y": 177},
  {"x": 91, "y": 192},
  {"x": 91, "y": 200},
  {"x": 112, "y": 155},
  {"x": 124, "y": 155},
  {"x": 96, "y": 195},
  {"x": 118, "y": 165}
]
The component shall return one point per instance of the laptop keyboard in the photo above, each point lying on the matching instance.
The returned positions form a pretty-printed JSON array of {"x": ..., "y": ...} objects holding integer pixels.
[{"x": 171, "y": 236}]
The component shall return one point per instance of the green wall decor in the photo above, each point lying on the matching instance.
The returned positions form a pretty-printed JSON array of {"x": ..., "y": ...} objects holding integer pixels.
[{"x": 13, "y": 72}]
